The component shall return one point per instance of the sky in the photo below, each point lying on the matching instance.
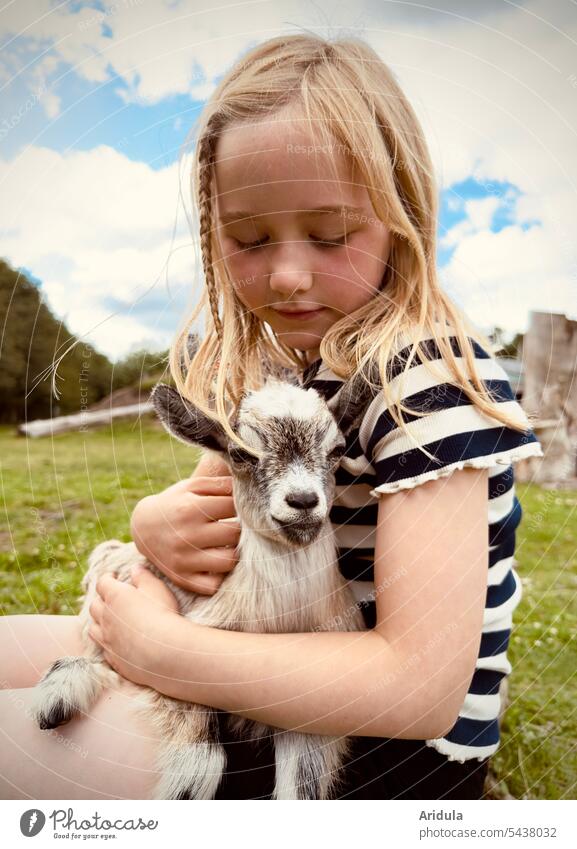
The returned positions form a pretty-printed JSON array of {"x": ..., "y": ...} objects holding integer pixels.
[{"x": 99, "y": 99}]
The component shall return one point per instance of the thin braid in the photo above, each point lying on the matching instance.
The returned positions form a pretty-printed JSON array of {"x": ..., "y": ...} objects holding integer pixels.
[{"x": 205, "y": 163}]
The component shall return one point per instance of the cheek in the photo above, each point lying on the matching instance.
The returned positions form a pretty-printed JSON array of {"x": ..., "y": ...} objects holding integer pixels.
[
  {"x": 362, "y": 272},
  {"x": 247, "y": 279}
]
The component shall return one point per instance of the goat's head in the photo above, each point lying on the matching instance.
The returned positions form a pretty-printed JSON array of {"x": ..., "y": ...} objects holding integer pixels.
[{"x": 287, "y": 493}]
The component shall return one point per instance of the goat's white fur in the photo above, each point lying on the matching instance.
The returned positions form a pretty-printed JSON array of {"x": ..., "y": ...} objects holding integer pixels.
[{"x": 274, "y": 587}]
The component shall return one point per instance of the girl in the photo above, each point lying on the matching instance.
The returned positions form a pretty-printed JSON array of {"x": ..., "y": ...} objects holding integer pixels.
[{"x": 317, "y": 211}]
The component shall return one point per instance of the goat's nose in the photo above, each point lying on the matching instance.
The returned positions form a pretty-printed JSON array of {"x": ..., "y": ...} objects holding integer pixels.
[{"x": 302, "y": 499}]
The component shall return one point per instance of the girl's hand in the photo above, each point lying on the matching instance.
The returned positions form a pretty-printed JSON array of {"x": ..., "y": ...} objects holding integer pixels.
[
  {"x": 178, "y": 530},
  {"x": 132, "y": 624}
]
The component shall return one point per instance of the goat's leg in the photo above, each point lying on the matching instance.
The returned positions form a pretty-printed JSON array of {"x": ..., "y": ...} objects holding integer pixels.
[
  {"x": 72, "y": 684},
  {"x": 191, "y": 759},
  {"x": 307, "y": 765}
]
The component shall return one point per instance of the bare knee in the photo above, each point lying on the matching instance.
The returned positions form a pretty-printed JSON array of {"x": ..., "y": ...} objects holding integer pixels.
[{"x": 109, "y": 753}]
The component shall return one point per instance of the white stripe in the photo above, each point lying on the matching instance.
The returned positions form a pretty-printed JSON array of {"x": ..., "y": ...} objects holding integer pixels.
[
  {"x": 500, "y": 623},
  {"x": 357, "y": 466},
  {"x": 355, "y": 536},
  {"x": 353, "y": 495},
  {"x": 495, "y": 662},
  {"x": 498, "y": 571},
  {"x": 363, "y": 590},
  {"x": 497, "y": 470},
  {"x": 496, "y": 614},
  {"x": 481, "y": 707},
  {"x": 501, "y": 506}
]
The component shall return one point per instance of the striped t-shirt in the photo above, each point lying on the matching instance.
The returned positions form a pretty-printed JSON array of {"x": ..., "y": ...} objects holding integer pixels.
[{"x": 379, "y": 458}]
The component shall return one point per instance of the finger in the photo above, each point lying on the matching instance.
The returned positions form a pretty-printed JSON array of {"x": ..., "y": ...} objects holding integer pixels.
[
  {"x": 153, "y": 588},
  {"x": 95, "y": 609},
  {"x": 219, "y": 534},
  {"x": 95, "y": 633},
  {"x": 216, "y": 507},
  {"x": 211, "y": 559},
  {"x": 205, "y": 583},
  {"x": 105, "y": 585},
  {"x": 211, "y": 485}
]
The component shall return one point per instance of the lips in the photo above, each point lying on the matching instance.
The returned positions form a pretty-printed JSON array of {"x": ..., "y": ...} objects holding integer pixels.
[{"x": 299, "y": 313}]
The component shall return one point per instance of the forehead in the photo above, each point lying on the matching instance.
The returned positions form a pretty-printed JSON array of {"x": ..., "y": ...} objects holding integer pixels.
[
  {"x": 280, "y": 414},
  {"x": 282, "y": 164}
]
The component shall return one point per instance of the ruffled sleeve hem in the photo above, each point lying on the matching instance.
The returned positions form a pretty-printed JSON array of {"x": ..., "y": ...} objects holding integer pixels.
[
  {"x": 505, "y": 458},
  {"x": 455, "y": 752}
]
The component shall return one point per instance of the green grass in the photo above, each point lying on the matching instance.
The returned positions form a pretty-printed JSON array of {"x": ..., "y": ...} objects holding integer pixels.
[
  {"x": 61, "y": 496},
  {"x": 537, "y": 758}
]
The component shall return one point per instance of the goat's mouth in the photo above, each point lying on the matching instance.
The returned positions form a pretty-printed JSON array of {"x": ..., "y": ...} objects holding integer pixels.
[{"x": 299, "y": 531}]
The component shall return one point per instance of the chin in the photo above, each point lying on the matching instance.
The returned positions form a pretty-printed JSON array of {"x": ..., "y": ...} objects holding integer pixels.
[{"x": 300, "y": 341}]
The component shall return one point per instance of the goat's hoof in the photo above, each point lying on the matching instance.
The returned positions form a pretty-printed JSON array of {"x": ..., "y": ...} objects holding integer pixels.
[{"x": 57, "y": 714}]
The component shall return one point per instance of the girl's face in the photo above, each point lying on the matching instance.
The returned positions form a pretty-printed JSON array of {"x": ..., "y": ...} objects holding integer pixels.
[{"x": 281, "y": 224}]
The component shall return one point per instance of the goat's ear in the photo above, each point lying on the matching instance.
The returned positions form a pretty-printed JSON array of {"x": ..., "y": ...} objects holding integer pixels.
[
  {"x": 352, "y": 400},
  {"x": 186, "y": 422}
]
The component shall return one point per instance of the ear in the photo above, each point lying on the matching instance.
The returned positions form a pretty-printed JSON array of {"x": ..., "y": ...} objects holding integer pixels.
[
  {"x": 353, "y": 398},
  {"x": 186, "y": 422}
]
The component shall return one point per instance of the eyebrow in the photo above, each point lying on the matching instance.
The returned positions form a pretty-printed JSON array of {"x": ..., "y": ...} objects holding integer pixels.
[{"x": 238, "y": 214}]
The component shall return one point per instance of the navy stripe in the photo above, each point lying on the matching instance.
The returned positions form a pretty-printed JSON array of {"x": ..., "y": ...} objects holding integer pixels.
[
  {"x": 354, "y": 569},
  {"x": 486, "y": 682},
  {"x": 494, "y": 642},
  {"x": 369, "y": 611},
  {"x": 500, "y": 593},
  {"x": 474, "y": 732},
  {"x": 505, "y": 549},
  {"x": 326, "y": 388},
  {"x": 498, "y": 531},
  {"x": 355, "y": 515},
  {"x": 431, "y": 351},
  {"x": 344, "y": 478},
  {"x": 451, "y": 449},
  {"x": 396, "y": 364}
]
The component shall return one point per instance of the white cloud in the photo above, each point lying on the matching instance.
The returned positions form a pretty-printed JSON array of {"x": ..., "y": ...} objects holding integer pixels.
[
  {"x": 479, "y": 215},
  {"x": 96, "y": 228},
  {"x": 498, "y": 277}
]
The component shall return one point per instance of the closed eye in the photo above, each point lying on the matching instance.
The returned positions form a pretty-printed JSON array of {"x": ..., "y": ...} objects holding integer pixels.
[
  {"x": 330, "y": 243},
  {"x": 239, "y": 455},
  {"x": 337, "y": 242}
]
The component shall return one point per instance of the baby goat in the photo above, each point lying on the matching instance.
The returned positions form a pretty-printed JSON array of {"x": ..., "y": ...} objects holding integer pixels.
[{"x": 286, "y": 580}]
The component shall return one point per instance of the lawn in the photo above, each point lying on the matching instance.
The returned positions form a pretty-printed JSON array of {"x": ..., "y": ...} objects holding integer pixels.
[{"x": 61, "y": 496}]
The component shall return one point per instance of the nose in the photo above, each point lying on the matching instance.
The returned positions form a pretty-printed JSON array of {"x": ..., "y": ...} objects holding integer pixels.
[
  {"x": 302, "y": 500},
  {"x": 286, "y": 282}
]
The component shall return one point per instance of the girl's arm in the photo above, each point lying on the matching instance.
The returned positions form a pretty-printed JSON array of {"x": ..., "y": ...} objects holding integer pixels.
[{"x": 406, "y": 678}]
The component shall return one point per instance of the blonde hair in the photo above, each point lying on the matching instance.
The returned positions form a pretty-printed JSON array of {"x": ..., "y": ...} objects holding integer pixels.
[{"x": 348, "y": 95}]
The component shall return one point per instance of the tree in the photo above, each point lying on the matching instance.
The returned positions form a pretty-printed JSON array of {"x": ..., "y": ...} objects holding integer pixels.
[{"x": 31, "y": 339}]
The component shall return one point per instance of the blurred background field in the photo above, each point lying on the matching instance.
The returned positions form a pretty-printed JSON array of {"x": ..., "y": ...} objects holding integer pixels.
[{"x": 63, "y": 495}]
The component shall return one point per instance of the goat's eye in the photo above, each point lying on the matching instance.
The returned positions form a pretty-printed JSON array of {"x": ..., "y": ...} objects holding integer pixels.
[
  {"x": 336, "y": 454},
  {"x": 239, "y": 455}
]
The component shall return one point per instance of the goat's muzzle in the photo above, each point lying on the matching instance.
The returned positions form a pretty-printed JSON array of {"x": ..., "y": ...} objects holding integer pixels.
[{"x": 300, "y": 531}]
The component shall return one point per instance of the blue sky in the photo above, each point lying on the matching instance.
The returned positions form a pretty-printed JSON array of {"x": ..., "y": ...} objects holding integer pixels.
[{"x": 98, "y": 101}]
